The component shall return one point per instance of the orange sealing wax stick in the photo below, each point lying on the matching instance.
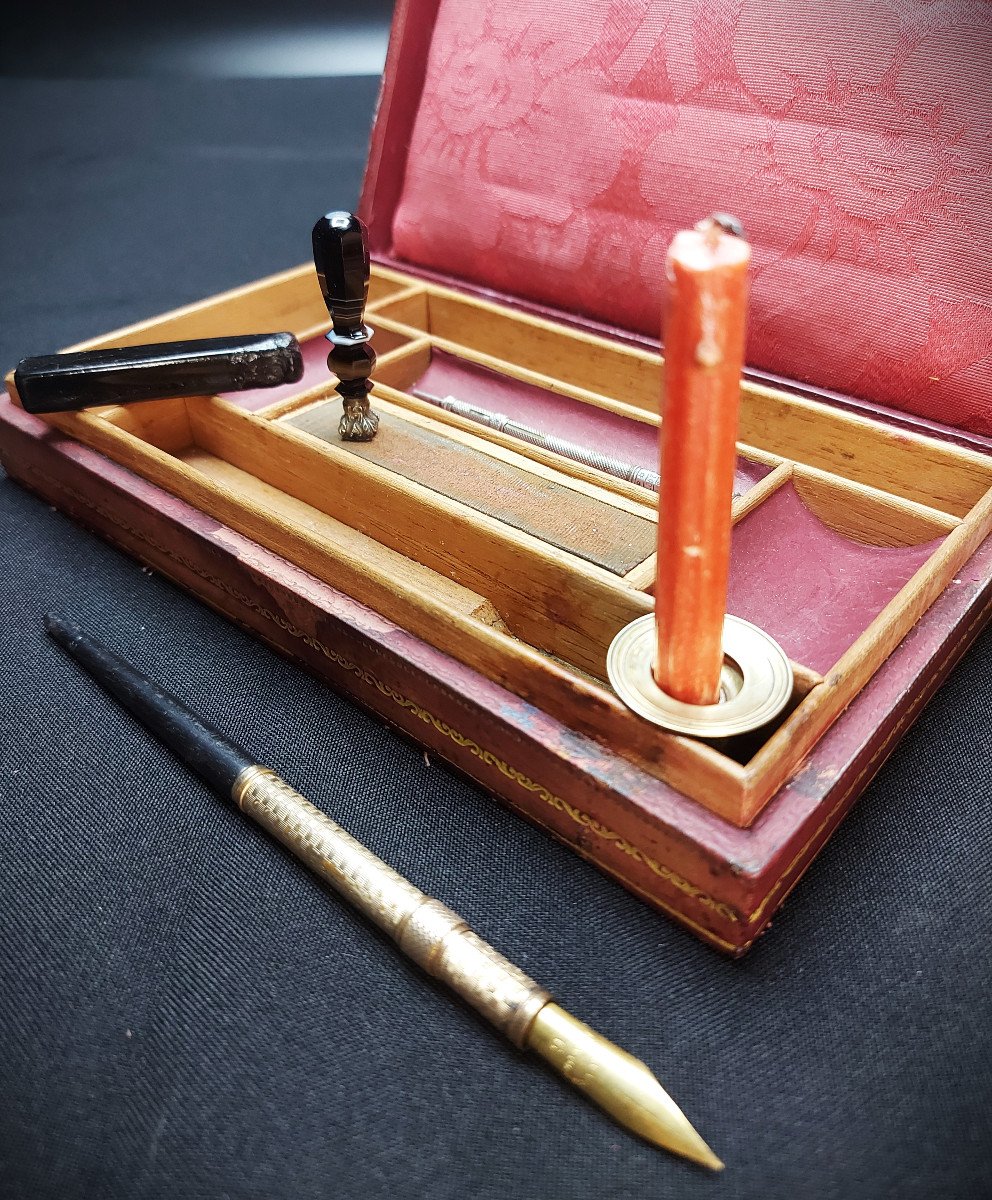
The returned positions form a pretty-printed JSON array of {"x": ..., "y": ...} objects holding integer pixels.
[{"x": 704, "y": 325}]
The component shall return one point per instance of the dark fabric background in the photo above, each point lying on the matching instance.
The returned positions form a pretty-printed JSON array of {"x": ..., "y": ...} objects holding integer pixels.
[{"x": 184, "y": 1011}]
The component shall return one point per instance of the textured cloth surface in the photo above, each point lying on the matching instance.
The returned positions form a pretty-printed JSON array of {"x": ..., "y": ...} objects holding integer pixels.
[
  {"x": 184, "y": 1011},
  {"x": 554, "y": 156}
]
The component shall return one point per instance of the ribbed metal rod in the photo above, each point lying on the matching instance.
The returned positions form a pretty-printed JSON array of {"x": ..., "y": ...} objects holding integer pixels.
[{"x": 617, "y": 467}]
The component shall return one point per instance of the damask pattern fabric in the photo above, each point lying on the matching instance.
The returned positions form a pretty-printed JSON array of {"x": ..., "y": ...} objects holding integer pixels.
[{"x": 555, "y": 154}]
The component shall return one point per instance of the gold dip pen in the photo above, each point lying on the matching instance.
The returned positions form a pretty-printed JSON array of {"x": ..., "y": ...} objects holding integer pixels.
[{"x": 424, "y": 929}]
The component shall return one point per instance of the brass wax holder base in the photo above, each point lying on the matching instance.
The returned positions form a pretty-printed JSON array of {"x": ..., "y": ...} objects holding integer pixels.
[{"x": 755, "y": 682}]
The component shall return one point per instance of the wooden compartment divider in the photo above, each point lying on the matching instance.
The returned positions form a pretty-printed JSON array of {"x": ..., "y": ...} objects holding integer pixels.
[
  {"x": 533, "y": 617},
  {"x": 940, "y": 476},
  {"x": 758, "y": 494},
  {"x": 792, "y": 741},
  {"x": 944, "y": 477},
  {"x": 867, "y": 514},
  {"x": 346, "y": 545}
]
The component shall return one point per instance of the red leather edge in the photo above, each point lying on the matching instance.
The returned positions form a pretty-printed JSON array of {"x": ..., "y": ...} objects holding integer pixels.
[
  {"x": 723, "y": 883},
  {"x": 399, "y": 98}
]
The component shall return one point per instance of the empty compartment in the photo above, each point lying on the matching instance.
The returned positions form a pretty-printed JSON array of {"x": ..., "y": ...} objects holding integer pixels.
[
  {"x": 813, "y": 588},
  {"x": 578, "y": 359}
]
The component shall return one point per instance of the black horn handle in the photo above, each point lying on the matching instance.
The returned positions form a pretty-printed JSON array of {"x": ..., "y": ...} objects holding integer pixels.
[
  {"x": 67, "y": 382},
  {"x": 341, "y": 257}
]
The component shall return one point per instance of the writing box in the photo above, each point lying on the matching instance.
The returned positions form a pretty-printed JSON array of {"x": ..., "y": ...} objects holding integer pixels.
[{"x": 523, "y": 183}]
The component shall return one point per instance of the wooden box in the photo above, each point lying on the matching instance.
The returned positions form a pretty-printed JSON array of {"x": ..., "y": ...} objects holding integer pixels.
[{"x": 466, "y": 584}]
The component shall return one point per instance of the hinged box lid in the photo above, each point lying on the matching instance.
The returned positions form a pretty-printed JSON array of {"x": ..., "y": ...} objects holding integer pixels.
[{"x": 547, "y": 155}]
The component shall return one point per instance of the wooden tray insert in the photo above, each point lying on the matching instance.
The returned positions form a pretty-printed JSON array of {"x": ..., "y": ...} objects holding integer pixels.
[
  {"x": 574, "y": 521},
  {"x": 893, "y": 516}
]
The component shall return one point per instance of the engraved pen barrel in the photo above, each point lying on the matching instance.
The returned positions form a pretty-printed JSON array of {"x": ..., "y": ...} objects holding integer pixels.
[
  {"x": 425, "y": 929},
  {"x": 429, "y": 932}
]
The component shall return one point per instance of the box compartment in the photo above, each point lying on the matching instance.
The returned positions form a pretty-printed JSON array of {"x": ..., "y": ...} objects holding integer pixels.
[{"x": 527, "y": 568}]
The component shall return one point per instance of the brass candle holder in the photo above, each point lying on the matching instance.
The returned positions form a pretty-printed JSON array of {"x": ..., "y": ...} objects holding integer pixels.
[
  {"x": 667, "y": 666},
  {"x": 755, "y": 681}
]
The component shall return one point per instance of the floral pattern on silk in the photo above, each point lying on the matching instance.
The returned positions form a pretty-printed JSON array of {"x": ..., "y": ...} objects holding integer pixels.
[{"x": 558, "y": 149}]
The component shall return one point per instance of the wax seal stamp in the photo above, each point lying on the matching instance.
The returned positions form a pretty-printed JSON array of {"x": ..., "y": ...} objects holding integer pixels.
[{"x": 341, "y": 256}]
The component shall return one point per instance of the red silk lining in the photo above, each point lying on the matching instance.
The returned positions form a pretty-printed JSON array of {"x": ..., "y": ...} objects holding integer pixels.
[{"x": 555, "y": 152}]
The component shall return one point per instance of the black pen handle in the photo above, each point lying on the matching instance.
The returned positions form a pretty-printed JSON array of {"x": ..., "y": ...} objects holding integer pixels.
[
  {"x": 67, "y": 382},
  {"x": 207, "y": 751}
]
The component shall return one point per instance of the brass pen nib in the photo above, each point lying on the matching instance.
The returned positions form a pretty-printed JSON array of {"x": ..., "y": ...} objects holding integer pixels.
[{"x": 617, "y": 1082}]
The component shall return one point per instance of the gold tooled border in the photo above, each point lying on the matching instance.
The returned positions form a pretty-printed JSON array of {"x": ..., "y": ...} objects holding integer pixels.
[
  {"x": 584, "y": 819},
  {"x": 907, "y": 718}
]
